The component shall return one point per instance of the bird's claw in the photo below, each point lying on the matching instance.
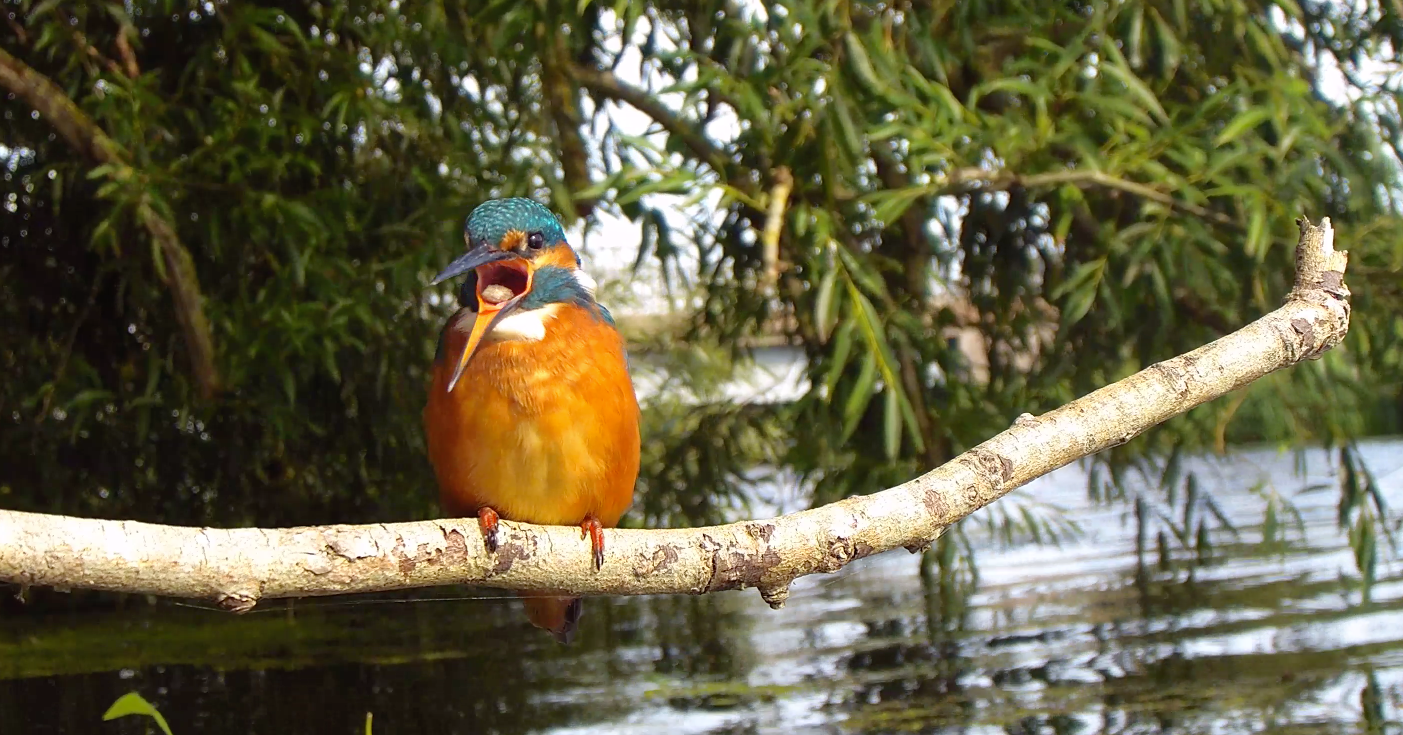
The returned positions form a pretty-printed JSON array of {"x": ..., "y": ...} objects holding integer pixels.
[
  {"x": 591, "y": 529},
  {"x": 487, "y": 521}
]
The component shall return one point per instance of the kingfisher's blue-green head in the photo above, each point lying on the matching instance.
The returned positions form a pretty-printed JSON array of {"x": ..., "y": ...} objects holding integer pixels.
[{"x": 519, "y": 269}]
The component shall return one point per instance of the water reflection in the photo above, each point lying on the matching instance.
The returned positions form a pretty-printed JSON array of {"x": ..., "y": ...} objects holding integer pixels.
[{"x": 1077, "y": 639}]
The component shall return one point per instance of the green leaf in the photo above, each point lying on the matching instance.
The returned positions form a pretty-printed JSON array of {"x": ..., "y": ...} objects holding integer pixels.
[
  {"x": 1245, "y": 121},
  {"x": 1082, "y": 287},
  {"x": 1137, "y": 88},
  {"x": 1078, "y": 305},
  {"x": 873, "y": 331},
  {"x": 132, "y": 703},
  {"x": 850, "y": 140},
  {"x": 891, "y": 423},
  {"x": 860, "y": 396},
  {"x": 826, "y": 307},
  {"x": 860, "y": 273},
  {"x": 1257, "y": 240},
  {"x": 859, "y": 63},
  {"x": 889, "y": 204},
  {"x": 1022, "y": 87},
  {"x": 842, "y": 349},
  {"x": 875, "y": 334}
]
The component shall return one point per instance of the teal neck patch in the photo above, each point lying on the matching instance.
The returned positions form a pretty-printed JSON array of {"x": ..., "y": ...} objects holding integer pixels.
[{"x": 555, "y": 285}]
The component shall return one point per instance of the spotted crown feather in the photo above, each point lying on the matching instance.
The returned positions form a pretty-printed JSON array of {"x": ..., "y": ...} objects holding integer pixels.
[{"x": 493, "y": 219}]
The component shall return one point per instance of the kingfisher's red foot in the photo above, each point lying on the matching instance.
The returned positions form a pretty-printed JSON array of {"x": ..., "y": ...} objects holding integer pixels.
[
  {"x": 590, "y": 527},
  {"x": 487, "y": 521}
]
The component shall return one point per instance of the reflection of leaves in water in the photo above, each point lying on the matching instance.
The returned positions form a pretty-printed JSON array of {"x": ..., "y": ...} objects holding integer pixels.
[
  {"x": 1185, "y": 523},
  {"x": 720, "y": 695},
  {"x": 1364, "y": 513},
  {"x": 1192, "y": 694}
]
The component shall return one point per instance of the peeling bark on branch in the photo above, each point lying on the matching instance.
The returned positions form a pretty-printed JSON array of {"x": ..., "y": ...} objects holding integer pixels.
[
  {"x": 84, "y": 136},
  {"x": 238, "y": 567}
]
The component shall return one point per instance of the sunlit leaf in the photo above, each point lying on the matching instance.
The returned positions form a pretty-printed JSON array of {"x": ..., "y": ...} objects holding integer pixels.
[
  {"x": 1245, "y": 121},
  {"x": 825, "y": 306},
  {"x": 891, "y": 423},
  {"x": 860, "y": 394},
  {"x": 133, "y": 703}
]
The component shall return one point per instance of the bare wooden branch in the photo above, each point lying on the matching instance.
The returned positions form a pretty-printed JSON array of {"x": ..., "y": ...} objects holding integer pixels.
[
  {"x": 238, "y": 567},
  {"x": 84, "y": 136}
]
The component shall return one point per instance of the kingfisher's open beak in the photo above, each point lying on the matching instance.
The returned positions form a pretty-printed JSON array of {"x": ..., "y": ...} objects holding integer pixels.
[{"x": 503, "y": 280}]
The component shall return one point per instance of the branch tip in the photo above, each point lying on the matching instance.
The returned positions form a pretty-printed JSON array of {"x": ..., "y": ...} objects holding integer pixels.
[{"x": 1320, "y": 269}]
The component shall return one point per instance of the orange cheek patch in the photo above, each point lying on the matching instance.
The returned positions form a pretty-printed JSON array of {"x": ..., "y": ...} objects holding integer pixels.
[
  {"x": 561, "y": 255},
  {"x": 512, "y": 240}
]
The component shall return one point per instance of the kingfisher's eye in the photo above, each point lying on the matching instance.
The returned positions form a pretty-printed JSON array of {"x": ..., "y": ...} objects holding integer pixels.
[
  {"x": 482, "y": 242},
  {"x": 535, "y": 241}
]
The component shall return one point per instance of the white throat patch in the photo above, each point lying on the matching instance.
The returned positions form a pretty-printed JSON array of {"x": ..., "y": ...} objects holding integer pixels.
[
  {"x": 585, "y": 280},
  {"x": 519, "y": 326}
]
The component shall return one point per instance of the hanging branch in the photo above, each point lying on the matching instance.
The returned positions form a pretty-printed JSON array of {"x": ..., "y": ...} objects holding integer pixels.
[
  {"x": 238, "y": 567},
  {"x": 84, "y": 136}
]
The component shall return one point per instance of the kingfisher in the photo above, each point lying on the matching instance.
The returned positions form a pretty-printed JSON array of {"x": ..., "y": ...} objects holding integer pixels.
[{"x": 531, "y": 414}]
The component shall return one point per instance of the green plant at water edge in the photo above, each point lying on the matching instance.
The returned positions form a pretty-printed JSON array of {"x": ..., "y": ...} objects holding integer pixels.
[{"x": 133, "y": 703}]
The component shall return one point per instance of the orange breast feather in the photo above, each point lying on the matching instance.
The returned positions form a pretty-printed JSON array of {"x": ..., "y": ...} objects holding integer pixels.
[{"x": 542, "y": 432}]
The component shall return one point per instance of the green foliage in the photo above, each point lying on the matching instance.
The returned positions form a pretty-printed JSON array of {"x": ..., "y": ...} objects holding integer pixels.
[{"x": 996, "y": 207}]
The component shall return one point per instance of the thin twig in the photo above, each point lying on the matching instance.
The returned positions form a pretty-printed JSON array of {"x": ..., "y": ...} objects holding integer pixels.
[
  {"x": 82, "y": 41},
  {"x": 774, "y": 224},
  {"x": 20, "y": 34},
  {"x": 125, "y": 32}
]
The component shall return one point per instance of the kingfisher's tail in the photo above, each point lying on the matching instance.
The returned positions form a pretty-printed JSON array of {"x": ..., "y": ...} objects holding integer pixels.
[{"x": 558, "y": 614}]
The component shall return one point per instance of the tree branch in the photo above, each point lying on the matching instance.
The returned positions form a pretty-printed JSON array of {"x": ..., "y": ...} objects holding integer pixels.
[
  {"x": 606, "y": 84},
  {"x": 125, "y": 32},
  {"x": 774, "y": 224},
  {"x": 18, "y": 29},
  {"x": 561, "y": 105},
  {"x": 84, "y": 136},
  {"x": 238, "y": 567}
]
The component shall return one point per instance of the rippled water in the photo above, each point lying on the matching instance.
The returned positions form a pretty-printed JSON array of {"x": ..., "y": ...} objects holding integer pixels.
[{"x": 1058, "y": 640}]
